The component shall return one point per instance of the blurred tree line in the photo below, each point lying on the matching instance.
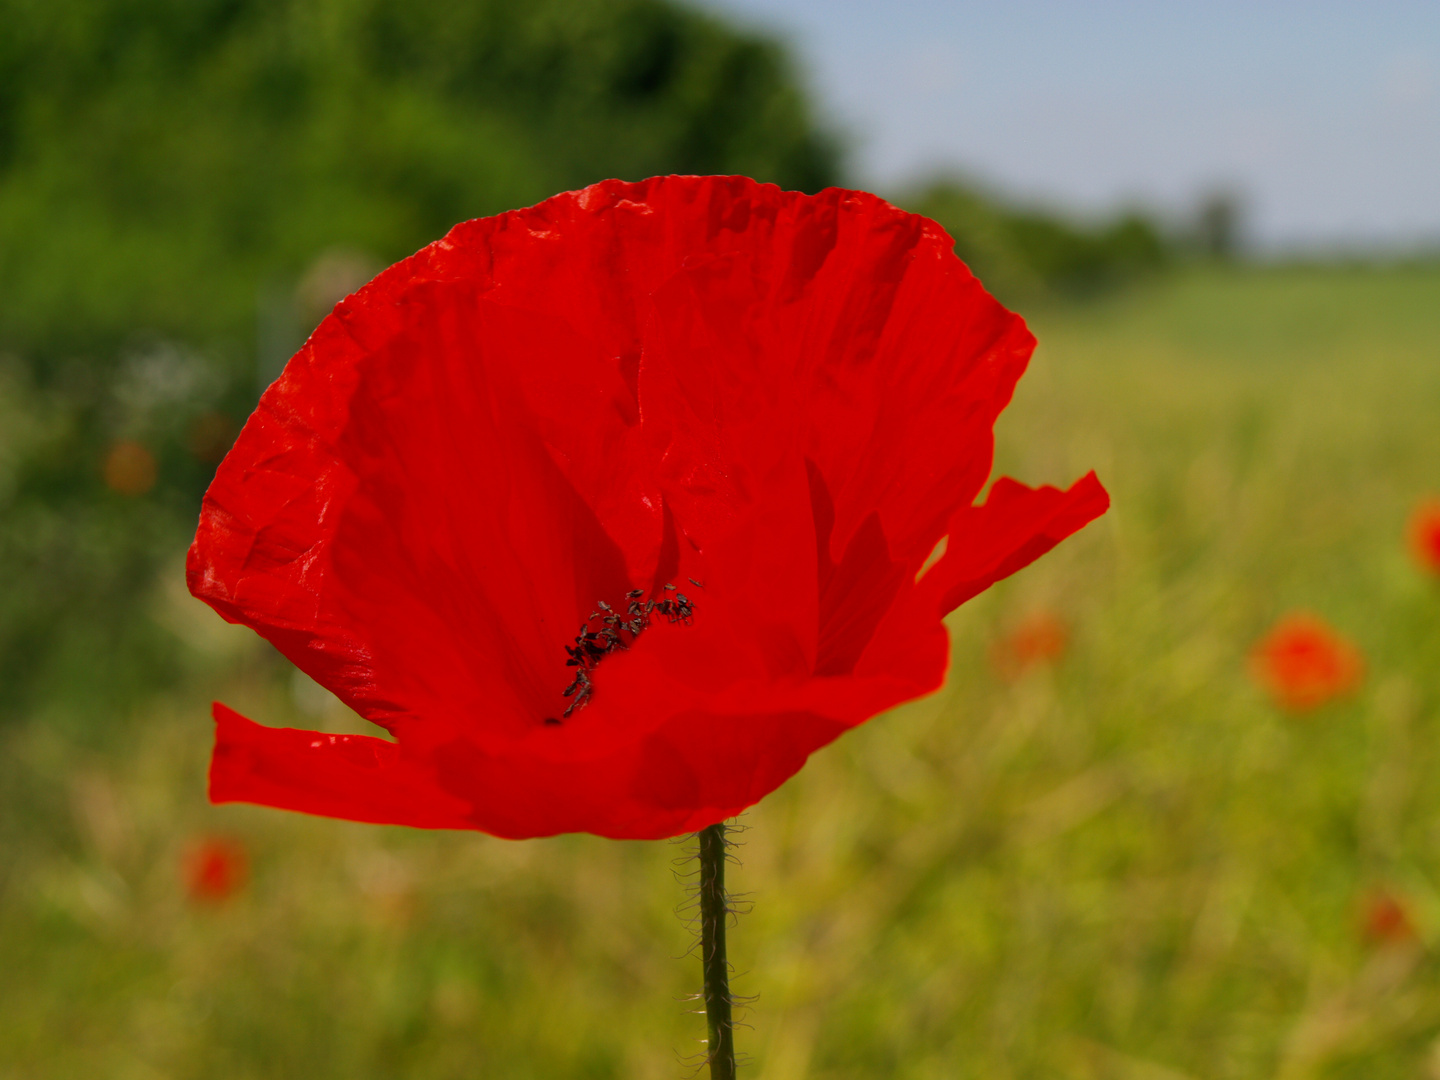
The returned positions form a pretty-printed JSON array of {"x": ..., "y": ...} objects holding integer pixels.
[
  {"x": 1025, "y": 253},
  {"x": 186, "y": 186}
]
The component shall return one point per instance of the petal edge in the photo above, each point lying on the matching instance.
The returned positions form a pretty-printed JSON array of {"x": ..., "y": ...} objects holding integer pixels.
[
  {"x": 1012, "y": 528},
  {"x": 354, "y": 777}
]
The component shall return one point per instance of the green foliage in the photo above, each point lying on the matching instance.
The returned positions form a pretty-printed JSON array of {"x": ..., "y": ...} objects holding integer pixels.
[
  {"x": 160, "y": 159},
  {"x": 1025, "y": 253},
  {"x": 77, "y": 558},
  {"x": 1127, "y": 864},
  {"x": 169, "y": 169}
]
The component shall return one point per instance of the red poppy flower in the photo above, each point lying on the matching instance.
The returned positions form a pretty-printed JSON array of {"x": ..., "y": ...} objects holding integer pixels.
[
  {"x": 215, "y": 868},
  {"x": 1304, "y": 663},
  {"x": 1425, "y": 535},
  {"x": 776, "y": 403},
  {"x": 1039, "y": 639}
]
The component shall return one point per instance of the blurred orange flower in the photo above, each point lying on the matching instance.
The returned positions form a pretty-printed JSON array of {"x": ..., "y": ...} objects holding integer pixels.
[
  {"x": 1040, "y": 638},
  {"x": 215, "y": 869},
  {"x": 1425, "y": 534},
  {"x": 1304, "y": 663},
  {"x": 1384, "y": 919},
  {"x": 129, "y": 468}
]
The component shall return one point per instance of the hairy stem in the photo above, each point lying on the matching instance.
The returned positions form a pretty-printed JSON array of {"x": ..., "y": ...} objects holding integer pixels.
[{"x": 714, "y": 910}]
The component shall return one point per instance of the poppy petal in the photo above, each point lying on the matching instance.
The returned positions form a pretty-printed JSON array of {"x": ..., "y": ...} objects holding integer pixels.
[
  {"x": 354, "y": 777},
  {"x": 1010, "y": 530},
  {"x": 783, "y": 399}
]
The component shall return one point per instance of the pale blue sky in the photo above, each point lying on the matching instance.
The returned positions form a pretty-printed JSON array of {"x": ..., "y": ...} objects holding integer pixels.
[{"x": 1324, "y": 114}]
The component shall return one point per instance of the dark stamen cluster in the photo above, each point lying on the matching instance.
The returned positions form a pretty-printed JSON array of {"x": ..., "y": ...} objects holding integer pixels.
[{"x": 618, "y": 631}]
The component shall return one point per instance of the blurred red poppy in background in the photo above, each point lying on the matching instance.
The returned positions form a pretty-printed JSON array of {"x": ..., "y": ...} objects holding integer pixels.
[
  {"x": 1040, "y": 638},
  {"x": 1304, "y": 663},
  {"x": 1384, "y": 919},
  {"x": 215, "y": 868},
  {"x": 674, "y": 451},
  {"x": 1425, "y": 535}
]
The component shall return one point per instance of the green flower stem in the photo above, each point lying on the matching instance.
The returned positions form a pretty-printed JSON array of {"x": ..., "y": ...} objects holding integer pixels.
[{"x": 714, "y": 910}]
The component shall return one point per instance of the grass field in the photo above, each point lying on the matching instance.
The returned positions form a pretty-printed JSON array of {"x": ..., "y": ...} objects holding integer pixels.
[{"x": 1125, "y": 864}]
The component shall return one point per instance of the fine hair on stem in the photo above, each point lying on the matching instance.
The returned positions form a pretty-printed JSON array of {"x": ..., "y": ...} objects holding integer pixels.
[{"x": 714, "y": 908}]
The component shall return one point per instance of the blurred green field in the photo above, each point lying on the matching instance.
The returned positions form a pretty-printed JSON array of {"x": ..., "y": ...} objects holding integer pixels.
[{"x": 1127, "y": 864}]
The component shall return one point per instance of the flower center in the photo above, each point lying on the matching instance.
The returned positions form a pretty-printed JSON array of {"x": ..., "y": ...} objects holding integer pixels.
[{"x": 608, "y": 630}]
